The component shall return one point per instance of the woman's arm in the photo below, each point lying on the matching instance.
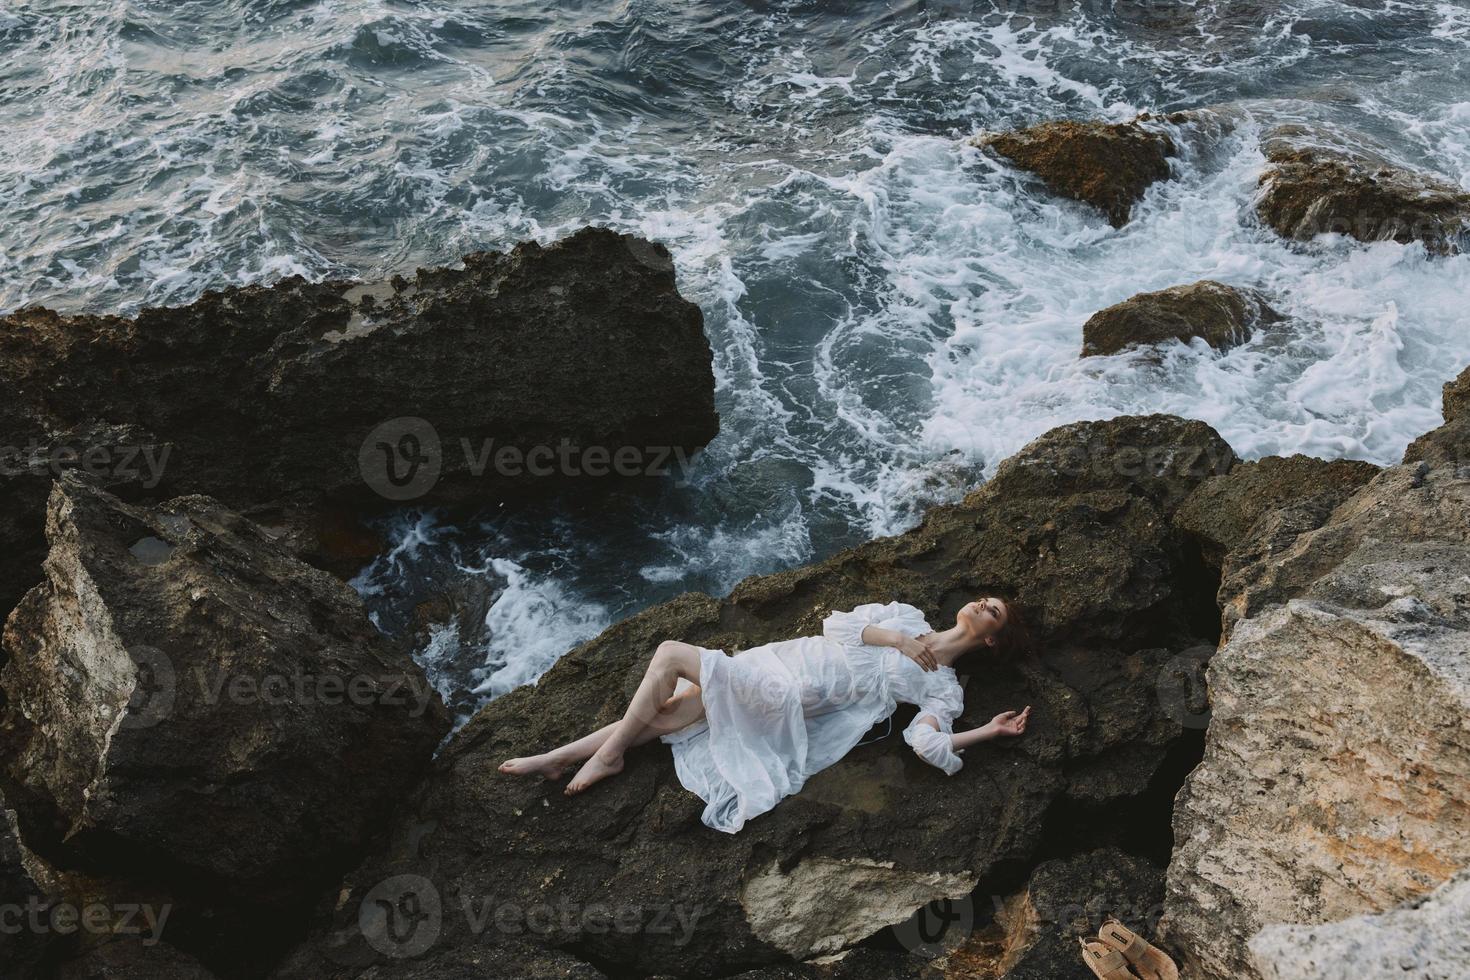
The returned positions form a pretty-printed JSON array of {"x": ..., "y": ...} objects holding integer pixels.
[{"x": 1006, "y": 723}]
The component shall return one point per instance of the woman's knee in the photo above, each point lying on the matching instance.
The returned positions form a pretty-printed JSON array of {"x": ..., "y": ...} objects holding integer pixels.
[
  {"x": 682, "y": 658},
  {"x": 671, "y": 650}
]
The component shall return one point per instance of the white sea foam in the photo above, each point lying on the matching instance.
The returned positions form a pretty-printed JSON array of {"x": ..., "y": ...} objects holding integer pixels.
[
  {"x": 891, "y": 311},
  {"x": 532, "y": 623}
]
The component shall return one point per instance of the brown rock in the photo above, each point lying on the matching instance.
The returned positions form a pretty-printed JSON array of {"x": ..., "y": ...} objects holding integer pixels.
[
  {"x": 1456, "y": 404},
  {"x": 1337, "y": 766},
  {"x": 1272, "y": 562},
  {"x": 125, "y": 958},
  {"x": 1223, "y": 509},
  {"x": 1220, "y": 315},
  {"x": 1107, "y": 165},
  {"x": 1034, "y": 934},
  {"x": 1448, "y": 445},
  {"x": 1314, "y": 186}
]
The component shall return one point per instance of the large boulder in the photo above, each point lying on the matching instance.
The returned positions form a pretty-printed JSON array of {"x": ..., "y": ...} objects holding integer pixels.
[
  {"x": 1220, "y": 315},
  {"x": 1338, "y": 755},
  {"x": 1426, "y": 939},
  {"x": 1107, "y": 165},
  {"x": 453, "y": 382},
  {"x": 625, "y": 876},
  {"x": 191, "y": 710},
  {"x": 1289, "y": 549},
  {"x": 1223, "y": 510},
  {"x": 1313, "y": 185}
]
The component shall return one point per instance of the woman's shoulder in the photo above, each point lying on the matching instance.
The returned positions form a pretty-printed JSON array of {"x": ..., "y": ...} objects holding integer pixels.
[{"x": 906, "y": 613}]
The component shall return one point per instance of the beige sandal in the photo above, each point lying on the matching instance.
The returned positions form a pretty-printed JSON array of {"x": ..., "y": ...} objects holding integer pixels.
[
  {"x": 1151, "y": 962},
  {"x": 1105, "y": 961}
]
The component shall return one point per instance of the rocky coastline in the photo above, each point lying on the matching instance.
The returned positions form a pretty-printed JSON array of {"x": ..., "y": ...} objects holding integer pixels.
[{"x": 1251, "y": 679}]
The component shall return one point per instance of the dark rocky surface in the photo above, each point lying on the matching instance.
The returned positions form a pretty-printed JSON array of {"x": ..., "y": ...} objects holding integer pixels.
[
  {"x": 191, "y": 710},
  {"x": 301, "y": 395},
  {"x": 1035, "y": 931},
  {"x": 1076, "y": 527}
]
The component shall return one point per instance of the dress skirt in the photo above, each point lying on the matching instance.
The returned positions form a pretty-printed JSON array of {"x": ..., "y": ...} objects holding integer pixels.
[{"x": 774, "y": 716}]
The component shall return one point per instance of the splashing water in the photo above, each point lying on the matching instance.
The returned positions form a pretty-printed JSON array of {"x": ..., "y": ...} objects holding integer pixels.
[{"x": 892, "y": 312}]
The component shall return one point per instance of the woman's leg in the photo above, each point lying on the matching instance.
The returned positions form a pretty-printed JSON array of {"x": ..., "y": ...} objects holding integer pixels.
[
  {"x": 678, "y": 712},
  {"x": 671, "y": 661}
]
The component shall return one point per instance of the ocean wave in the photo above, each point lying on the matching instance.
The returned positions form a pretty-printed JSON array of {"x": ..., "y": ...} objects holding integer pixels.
[{"x": 891, "y": 311}]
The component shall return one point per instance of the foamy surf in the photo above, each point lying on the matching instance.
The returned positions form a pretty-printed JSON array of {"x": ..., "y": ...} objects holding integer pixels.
[{"x": 892, "y": 312}]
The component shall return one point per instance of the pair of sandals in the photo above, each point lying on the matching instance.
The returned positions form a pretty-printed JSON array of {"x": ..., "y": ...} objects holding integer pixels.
[{"x": 1120, "y": 949}]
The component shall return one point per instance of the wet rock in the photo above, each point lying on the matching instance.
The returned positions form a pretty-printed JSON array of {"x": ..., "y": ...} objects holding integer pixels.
[
  {"x": 1220, "y": 315},
  {"x": 190, "y": 709},
  {"x": 1456, "y": 403},
  {"x": 1313, "y": 185},
  {"x": 1076, "y": 526},
  {"x": 1427, "y": 939},
  {"x": 1448, "y": 445},
  {"x": 1338, "y": 754},
  {"x": 362, "y": 394},
  {"x": 1221, "y": 512},
  {"x": 1107, "y": 165}
]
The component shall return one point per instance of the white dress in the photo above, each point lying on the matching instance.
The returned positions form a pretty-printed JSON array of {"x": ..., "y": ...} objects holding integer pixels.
[{"x": 777, "y": 714}]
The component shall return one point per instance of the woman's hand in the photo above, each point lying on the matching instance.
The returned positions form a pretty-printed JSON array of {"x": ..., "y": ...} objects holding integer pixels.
[
  {"x": 918, "y": 651},
  {"x": 1010, "y": 722}
]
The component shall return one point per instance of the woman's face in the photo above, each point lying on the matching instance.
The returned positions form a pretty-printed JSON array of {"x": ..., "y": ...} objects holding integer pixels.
[{"x": 983, "y": 618}]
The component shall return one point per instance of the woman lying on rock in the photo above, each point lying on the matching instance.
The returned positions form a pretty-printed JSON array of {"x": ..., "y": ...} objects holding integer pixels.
[{"x": 748, "y": 730}]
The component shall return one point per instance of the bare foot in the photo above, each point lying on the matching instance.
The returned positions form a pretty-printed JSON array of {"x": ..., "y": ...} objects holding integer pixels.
[
  {"x": 593, "y": 770},
  {"x": 546, "y": 765}
]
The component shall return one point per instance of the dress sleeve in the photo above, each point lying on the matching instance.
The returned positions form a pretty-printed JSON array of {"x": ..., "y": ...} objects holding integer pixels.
[
  {"x": 934, "y": 747},
  {"x": 847, "y": 627}
]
